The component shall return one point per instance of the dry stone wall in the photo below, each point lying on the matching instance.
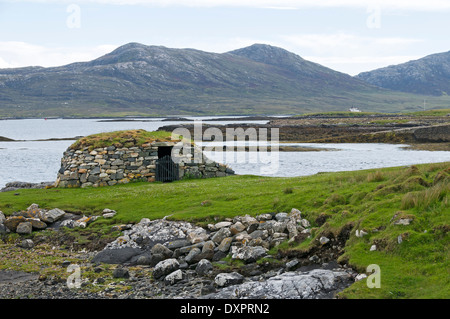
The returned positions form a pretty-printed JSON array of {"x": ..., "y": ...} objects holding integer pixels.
[{"x": 110, "y": 165}]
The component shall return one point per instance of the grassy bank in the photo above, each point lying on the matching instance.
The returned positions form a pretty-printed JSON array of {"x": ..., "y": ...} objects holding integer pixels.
[{"x": 370, "y": 200}]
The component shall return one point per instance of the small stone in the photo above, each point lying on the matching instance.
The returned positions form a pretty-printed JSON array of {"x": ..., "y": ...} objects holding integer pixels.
[
  {"x": 291, "y": 265},
  {"x": 174, "y": 277},
  {"x": 225, "y": 244},
  {"x": 121, "y": 273},
  {"x": 190, "y": 257},
  {"x": 295, "y": 214},
  {"x": 264, "y": 217},
  {"x": 305, "y": 223},
  {"x": 198, "y": 235},
  {"x": 373, "y": 247},
  {"x": 360, "y": 277},
  {"x": 27, "y": 244},
  {"x": 323, "y": 240},
  {"x": 360, "y": 233},
  {"x": 281, "y": 216},
  {"x": 222, "y": 225},
  {"x": 403, "y": 221},
  {"x": 237, "y": 228},
  {"x": 204, "y": 266},
  {"x": 162, "y": 250},
  {"x": 220, "y": 235}
]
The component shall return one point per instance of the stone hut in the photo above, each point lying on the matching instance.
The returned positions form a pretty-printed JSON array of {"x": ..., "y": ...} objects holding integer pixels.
[{"x": 121, "y": 157}]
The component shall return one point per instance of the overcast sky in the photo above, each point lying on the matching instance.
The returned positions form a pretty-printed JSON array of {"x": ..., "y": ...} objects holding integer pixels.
[{"x": 350, "y": 36}]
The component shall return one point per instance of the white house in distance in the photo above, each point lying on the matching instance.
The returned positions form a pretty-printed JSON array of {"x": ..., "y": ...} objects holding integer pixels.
[{"x": 354, "y": 109}]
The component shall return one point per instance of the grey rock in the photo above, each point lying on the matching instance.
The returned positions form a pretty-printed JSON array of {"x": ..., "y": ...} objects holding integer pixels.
[
  {"x": 225, "y": 244},
  {"x": 161, "y": 250},
  {"x": 24, "y": 228},
  {"x": 174, "y": 277},
  {"x": 2, "y": 217},
  {"x": 281, "y": 216},
  {"x": 249, "y": 254},
  {"x": 403, "y": 221},
  {"x": 291, "y": 265},
  {"x": 203, "y": 267},
  {"x": 227, "y": 279},
  {"x": 263, "y": 234},
  {"x": 165, "y": 267},
  {"x": 220, "y": 235},
  {"x": 27, "y": 244},
  {"x": 116, "y": 256},
  {"x": 323, "y": 240},
  {"x": 190, "y": 257},
  {"x": 197, "y": 235},
  {"x": 222, "y": 225},
  {"x": 178, "y": 244},
  {"x": 51, "y": 216},
  {"x": 121, "y": 273},
  {"x": 318, "y": 283},
  {"x": 237, "y": 228}
]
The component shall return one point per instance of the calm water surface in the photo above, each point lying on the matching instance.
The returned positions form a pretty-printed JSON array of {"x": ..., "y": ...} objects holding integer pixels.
[{"x": 38, "y": 161}]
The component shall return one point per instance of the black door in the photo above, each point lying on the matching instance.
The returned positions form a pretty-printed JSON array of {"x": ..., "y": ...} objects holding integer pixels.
[{"x": 166, "y": 169}]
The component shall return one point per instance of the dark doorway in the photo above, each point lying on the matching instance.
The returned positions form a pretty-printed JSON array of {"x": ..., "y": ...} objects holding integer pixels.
[
  {"x": 164, "y": 151},
  {"x": 166, "y": 169}
]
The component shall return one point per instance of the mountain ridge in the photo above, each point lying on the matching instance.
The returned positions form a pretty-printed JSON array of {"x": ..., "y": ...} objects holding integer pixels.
[
  {"x": 137, "y": 79},
  {"x": 429, "y": 75}
]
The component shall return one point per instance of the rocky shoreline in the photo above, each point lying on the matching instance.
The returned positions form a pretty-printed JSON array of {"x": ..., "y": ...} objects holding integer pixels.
[{"x": 164, "y": 259}]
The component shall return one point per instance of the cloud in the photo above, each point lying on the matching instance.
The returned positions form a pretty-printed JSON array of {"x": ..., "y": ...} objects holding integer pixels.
[
  {"x": 19, "y": 54},
  {"x": 429, "y": 5}
]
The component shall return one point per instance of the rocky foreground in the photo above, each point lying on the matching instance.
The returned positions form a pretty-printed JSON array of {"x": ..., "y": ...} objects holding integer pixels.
[{"x": 176, "y": 259}]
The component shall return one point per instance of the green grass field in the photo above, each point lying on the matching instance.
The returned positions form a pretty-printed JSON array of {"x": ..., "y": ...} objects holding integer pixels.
[{"x": 371, "y": 200}]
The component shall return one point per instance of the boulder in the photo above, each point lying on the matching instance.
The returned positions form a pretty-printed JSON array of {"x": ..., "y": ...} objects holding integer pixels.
[
  {"x": 208, "y": 246},
  {"x": 2, "y": 217},
  {"x": 222, "y": 225},
  {"x": 204, "y": 266},
  {"x": 12, "y": 222},
  {"x": 174, "y": 277},
  {"x": 24, "y": 228},
  {"x": 161, "y": 250},
  {"x": 228, "y": 279},
  {"x": 51, "y": 216},
  {"x": 165, "y": 267},
  {"x": 121, "y": 273},
  {"x": 27, "y": 244},
  {"x": 37, "y": 223},
  {"x": 281, "y": 216},
  {"x": 220, "y": 235},
  {"x": 264, "y": 217},
  {"x": 198, "y": 235},
  {"x": 295, "y": 215},
  {"x": 249, "y": 254},
  {"x": 190, "y": 257},
  {"x": 225, "y": 244},
  {"x": 116, "y": 256},
  {"x": 237, "y": 228},
  {"x": 292, "y": 228}
]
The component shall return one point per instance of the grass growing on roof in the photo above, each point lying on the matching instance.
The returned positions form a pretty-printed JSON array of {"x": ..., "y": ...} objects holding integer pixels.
[{"x": 119, "y": 139}]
